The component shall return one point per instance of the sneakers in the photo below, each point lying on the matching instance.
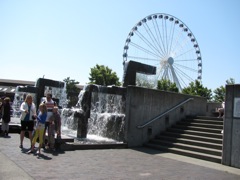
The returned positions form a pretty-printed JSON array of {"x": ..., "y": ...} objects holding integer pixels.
[
  {"x": 38, "y": 152},
  {"x": 30, "y": 152}
]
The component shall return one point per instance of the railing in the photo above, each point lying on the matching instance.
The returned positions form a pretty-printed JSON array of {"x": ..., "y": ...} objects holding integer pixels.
[{"x": 162, "y": 114}]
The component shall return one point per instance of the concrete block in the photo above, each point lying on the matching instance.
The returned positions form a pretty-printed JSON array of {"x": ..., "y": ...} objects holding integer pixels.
[
  {"x": 235, "y": 151},
  {"x": 227, "y": 142}
]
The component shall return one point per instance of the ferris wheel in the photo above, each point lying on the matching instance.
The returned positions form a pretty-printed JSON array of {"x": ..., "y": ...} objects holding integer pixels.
[{"x": 164, "y": 41}]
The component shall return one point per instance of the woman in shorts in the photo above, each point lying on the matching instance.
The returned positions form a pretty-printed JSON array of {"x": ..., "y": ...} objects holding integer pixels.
[{"x": 28, "y": 111}]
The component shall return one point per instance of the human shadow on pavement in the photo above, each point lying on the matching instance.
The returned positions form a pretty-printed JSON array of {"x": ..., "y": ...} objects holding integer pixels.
[
  {"x": 54, "y": 152},
  {"x": 25, "y": 150},
  {"x": 39, "y": 156},
  {"x": 43, "y": 156}
]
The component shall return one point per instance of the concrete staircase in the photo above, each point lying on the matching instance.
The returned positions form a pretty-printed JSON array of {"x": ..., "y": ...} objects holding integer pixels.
[{"x": 198, "y": 137}]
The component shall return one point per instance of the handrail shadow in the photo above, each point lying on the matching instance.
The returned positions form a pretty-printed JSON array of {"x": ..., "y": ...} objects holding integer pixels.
[{"x": 162, "y": 114}]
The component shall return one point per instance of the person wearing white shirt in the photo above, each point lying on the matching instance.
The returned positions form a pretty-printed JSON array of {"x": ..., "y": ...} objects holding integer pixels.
[
  {"x": 28, "y": 110},
  {"x": 221, "y": 110}
]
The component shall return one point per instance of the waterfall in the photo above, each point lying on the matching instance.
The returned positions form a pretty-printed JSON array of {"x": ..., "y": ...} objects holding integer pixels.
[{"x": 107, "y": 113}]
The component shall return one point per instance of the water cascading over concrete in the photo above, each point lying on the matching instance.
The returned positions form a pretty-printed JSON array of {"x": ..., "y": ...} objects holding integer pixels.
[{"x": 101, "y": 112}]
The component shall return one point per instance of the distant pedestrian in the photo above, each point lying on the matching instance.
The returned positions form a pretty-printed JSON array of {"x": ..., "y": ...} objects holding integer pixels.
[
  {"x": 40, "y": 125},
  {"x": 28, "y": 111},
  {"x": 1, "y": 104},
  {"x": 221, "y": 110},
  {"x": 6, "y": 116}
]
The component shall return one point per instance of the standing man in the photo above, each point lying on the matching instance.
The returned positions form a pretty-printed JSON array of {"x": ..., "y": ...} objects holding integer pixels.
[
  {"x": 49, "y": 104},
  {"x": 28, "y": 109},
  {"x": 6, "y": 116}
]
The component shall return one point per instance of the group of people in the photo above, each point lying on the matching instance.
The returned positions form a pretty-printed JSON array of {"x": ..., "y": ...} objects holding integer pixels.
[
  {"x": 5, "y": 115},
  {"x": 47, "y": 119}
]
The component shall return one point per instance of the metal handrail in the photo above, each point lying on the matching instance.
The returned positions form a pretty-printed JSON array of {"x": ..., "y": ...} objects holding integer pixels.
[{"x": 162, "y": 114}]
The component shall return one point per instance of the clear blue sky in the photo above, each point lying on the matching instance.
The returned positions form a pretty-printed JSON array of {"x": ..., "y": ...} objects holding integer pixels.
[{"x": 65, "y": 38}]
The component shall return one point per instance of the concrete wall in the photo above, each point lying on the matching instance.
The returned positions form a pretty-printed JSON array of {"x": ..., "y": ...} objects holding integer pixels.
[
  {"x": 144, "y": 104},
  {"x": 231, "y": 135}
]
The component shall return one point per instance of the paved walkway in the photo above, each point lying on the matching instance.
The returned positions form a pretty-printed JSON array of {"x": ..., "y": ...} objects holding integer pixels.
[{"x": 139, "y": 163}]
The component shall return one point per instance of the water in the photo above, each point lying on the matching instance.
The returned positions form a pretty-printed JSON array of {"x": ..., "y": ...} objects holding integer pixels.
[
  {"x": 69, "y": 123},
  {"x": 91, "y": 138},
  {"x": 107, "y": 118}
]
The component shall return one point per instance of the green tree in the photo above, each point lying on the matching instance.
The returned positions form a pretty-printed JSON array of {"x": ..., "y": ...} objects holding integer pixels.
[
  {"x": 230, "y": 81},
  {"x": 72, "y": 91},
  {"x": 219, "y": 93},
  {"x": 196, "y": 88},
  {"x": 167, "y": 85},
  {"x": 103, "y": 75}
]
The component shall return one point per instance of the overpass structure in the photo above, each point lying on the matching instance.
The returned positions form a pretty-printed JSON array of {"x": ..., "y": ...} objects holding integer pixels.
[{"x": 8, "y": 86}]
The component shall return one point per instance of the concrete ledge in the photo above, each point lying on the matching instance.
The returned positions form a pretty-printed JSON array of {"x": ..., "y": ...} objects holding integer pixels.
[
  {"x": 76, "y": 146},
  {"x": 63, "y": 139}
]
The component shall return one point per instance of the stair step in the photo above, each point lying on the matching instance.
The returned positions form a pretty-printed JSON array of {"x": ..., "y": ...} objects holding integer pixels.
[
  {"x": 208, "y": 118},
  {"x": 188, "y": 147},
  {"x": 189, "y": 141},
  {"x": 198, "y": 133},
  {"x": 188, "y": 153},
  {"x": 203, "y": 121},
  {"x": 193, "y": 137},
  {"x": 199, "y": 137},
  {"x": 194, "y": 124},
  {"x": 201, "y": 129}
]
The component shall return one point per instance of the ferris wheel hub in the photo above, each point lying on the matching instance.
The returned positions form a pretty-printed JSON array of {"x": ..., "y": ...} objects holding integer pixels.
[{"x": 170, "y": 60}]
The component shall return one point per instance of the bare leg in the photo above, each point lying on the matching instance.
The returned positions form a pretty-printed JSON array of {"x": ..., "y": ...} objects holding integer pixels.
[
  {"x": 33, "y": 144},
  {"x": 49, "y": 136},
  {"x": 22, "y": 137},
  {"x": 31, "y": 149},
  {"x": 30, "y": 137}
]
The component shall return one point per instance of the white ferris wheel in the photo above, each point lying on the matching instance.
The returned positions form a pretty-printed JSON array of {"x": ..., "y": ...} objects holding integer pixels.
[{"x": 164, "y": 41}]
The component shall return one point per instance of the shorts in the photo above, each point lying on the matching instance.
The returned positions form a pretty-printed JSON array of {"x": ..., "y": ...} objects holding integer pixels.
[{"x": 27, "y": 125}]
